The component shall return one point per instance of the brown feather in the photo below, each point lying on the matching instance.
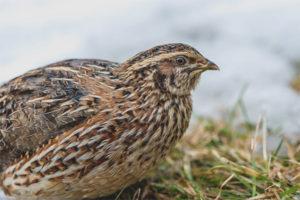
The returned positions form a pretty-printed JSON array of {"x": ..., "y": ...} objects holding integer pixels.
[{"x": 88, "y": 128}]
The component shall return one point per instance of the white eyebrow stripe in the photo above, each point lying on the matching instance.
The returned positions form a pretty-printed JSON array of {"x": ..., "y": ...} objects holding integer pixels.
[{"x": 157, "y": 58}]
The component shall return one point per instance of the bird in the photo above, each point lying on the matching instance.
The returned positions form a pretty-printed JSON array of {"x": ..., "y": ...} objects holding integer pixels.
[{"x": 87, "y": 128}]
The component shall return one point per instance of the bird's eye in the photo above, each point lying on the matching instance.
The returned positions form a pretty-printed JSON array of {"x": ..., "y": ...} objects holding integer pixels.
[{"x": 180, "y": 60}]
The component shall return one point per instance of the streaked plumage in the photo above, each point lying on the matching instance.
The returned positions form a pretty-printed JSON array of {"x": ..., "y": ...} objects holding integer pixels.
[{"x": 88, "y": 128}]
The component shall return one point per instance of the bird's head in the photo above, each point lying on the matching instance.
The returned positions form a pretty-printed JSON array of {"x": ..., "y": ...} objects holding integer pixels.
[{"x": 173, "y": 68}]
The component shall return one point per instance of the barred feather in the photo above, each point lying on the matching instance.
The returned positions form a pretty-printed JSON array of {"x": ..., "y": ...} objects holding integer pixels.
[{"x": 87, "y": 128}]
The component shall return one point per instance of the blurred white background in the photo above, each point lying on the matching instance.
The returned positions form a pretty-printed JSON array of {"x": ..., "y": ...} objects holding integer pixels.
[{"x": 255, "y": 42}]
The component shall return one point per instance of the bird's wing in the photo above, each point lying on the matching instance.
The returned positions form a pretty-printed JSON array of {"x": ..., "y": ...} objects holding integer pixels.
[{"x": 48, "y": 101}]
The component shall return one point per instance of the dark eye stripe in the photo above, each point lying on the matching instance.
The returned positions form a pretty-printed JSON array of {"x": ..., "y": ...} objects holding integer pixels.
[{"x": 172, "y": 79}]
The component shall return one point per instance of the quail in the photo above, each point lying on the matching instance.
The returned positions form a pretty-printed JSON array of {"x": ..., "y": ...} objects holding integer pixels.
[{"x": 87, "y": 128}]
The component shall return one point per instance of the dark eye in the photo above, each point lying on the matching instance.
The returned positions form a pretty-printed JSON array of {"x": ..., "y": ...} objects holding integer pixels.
[{"x": 180, "y": 60}]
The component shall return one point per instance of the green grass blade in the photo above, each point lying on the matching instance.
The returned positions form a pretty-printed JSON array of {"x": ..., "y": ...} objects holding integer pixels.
[
  {"x": 277, "y": 150},
  {"x": 289, "y": 191}
]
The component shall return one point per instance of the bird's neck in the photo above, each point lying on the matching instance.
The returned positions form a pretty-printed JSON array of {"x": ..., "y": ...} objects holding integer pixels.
[
  {"x": 152, "y": 104},
  {"x": 156, "y": 105}
]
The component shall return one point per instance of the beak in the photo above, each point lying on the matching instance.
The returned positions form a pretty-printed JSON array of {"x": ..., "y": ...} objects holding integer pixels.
[
  {"x": 206, "y": 64},
  {"x": 202, "y": 65},
  {"x": 212, "y": 66}
]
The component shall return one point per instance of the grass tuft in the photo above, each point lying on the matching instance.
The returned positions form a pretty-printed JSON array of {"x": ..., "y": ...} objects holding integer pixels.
[{"x": 207, "y": 165}]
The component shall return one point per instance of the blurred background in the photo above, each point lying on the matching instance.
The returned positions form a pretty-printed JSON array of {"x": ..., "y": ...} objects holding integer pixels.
[{"x": 256, "y": 43}]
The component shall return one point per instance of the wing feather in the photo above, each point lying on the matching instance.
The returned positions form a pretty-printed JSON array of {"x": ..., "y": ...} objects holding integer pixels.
[{"x": 46, "y": 102}]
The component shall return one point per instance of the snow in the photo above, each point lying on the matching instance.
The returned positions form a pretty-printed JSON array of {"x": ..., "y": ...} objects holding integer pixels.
[{"x": 254, "y": 42}]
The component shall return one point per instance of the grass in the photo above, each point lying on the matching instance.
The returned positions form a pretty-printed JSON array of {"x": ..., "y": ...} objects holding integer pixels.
[
  {"x": 218, "y": 161},
  {"x": 224, "y": 160}
]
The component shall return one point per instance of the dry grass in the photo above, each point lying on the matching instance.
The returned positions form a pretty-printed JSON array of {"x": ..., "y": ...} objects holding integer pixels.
[
  {"x": 295, "y": 83},
  {"x": 225, "y": 160},
  {"x": 217, "y": 161}
]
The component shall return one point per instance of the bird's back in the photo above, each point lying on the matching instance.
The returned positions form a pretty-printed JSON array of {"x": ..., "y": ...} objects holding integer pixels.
[{"x": 49, "y": 101}]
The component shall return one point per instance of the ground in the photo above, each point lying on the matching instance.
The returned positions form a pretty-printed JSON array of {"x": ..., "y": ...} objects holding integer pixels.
[{"x": 218, "y": 160}]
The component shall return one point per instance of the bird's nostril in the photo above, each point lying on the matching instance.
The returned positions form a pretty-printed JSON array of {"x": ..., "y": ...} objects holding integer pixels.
[{"x": 202, "y": 61}]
